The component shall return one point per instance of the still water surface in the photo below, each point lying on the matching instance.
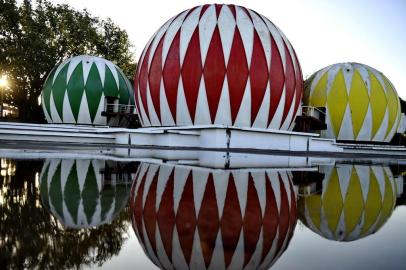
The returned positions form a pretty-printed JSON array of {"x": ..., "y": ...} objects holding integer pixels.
[{"x": 67, "y": 213}]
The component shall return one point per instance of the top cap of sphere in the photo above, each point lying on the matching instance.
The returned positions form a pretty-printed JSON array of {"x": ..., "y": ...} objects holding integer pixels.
[{"x": 218, "y": 64}]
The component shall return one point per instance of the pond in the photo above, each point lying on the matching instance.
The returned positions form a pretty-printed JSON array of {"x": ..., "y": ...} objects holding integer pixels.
[{"x": 149, "y": 214}]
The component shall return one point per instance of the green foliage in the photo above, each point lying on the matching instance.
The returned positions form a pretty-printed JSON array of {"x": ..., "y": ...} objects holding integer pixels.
[{"x": 35, "y": 35}]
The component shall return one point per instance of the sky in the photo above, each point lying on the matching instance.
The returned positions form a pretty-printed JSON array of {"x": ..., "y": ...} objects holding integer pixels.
[{"x": 371, "y": 32}]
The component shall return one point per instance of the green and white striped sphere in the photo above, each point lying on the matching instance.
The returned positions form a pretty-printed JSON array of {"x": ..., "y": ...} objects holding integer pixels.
[
  {"x": 77, "y": 194},
  {"x": 74, "y": 91}
]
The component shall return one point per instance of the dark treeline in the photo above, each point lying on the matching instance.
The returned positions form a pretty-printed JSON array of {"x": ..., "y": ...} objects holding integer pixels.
[{"x": 37, "y": 34}]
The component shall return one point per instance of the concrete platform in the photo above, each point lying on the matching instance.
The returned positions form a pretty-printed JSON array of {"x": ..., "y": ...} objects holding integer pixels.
[{"x": 166, "y": 142}]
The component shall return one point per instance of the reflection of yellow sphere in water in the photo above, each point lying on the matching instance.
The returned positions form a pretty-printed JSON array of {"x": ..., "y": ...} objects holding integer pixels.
[{"x": 355, "y": 202}]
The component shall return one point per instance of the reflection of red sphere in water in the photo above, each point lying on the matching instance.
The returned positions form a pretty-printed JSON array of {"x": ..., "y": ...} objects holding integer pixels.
[
  {"x": 218, "y": 64},
  {"x": 196, "y": 217}
]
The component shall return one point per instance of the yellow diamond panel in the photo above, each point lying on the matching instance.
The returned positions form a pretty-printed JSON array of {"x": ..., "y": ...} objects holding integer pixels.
[
  {"x": 333, "y": 202},
  {"x": 337, "y": 102},
  {"x": 313, "y": 204},
  {"x": 378, "y": 103},
  {"x": 354, "y": 203},
  {"x": 392, "y": 104},
  {"x": 388, "y": 202},
  {"x": 318, "y": 97},
  {"x": 373, "y": 204},
  {"x": 359, "y": 101}
]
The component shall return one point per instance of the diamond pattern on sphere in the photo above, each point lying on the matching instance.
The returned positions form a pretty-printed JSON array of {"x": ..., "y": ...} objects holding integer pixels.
[
  {"x": 392, "y": 105},
  {"x": 359, "y": 102},
  {"x": 192, "y": 72},
  {"x": 143, "y": 82},
  {"x": 166, "y": 216},
  {"x": 276, "y": 79},
  {"x": 246, "y": 50},
  {"x": 204, "y": 238},
  {"x": 186, "y": 219},
  {"x": 72, "y": 190},
  {"x": 154, "y": 77},
  {"x": 333, "y": 201},
  {"x": 110, "y": 85},
  {"x": 319, "y": 96},
  {"x": 90, "y": 194},
  {"x": 271, "y": 218},
  {"x": 378, "y": 103},
  {"x": 124, "y": 95},
  {"x": 150, "y": 213},
  {"x": 138, "y": 207},
  {"x": 231, "y": 222},
  {"x": 59, "y": 88},
  {"x": 208, "y": 221},
  {"x": 252, "y": 222},
  {"x": 258, "y": 76},
  {"x": 290, "y": 83},
  {"x": 171, "y": 74},
  {"x": 237, "y": 74},
  {"x": 47, "y": 90},
  {"x": 214, "y": 73},
  {"x": 75, "y": 83},
  {"x": 353, "y": 203},
  {"x": 337, "y": 102},
  {"x": 284, "y": 214},
  {"x": 93, "y": 90}
]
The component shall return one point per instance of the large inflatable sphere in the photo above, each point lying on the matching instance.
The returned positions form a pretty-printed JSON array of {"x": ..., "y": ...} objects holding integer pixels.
[
  {"x": 355, "y": 202},
  {"x": 219, "y": 64},
  {"x": 75, "y": 91},
  {"x": 200, "y": 218},
  {"x": 361, "y": 103}
]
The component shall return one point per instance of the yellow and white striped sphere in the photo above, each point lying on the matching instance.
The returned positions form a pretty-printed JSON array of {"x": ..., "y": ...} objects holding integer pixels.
[
  {"x": 355, "y": 201},
  {"x": 361, "y": 103}
]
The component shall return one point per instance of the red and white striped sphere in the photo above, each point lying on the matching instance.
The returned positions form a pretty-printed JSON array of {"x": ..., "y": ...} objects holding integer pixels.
[
  {"x": 219, "y": 64},
  {"x": 199, "y": 218}
]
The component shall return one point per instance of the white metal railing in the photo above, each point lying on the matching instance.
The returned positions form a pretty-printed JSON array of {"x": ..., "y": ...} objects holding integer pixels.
[
  {"x": 313, "y": 112},
  {"x": 119, "y": 108}
]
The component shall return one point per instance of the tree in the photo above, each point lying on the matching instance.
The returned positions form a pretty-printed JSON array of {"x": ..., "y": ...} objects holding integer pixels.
[{"x": 36, "y": 35}]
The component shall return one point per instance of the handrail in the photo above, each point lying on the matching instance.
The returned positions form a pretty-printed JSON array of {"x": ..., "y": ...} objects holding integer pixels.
[
  {"x": 119, "y": 108},
  {"x": 308, "y": 109}
]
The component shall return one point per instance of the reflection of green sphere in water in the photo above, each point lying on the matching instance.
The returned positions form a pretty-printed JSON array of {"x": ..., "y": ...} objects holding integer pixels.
[
  {"x": 75, "y": 91},
  {"x": 75, "y": 192},
  {"x": 355, "y": 202}
]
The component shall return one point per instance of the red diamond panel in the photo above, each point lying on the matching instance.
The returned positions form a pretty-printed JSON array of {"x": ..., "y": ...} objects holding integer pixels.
[
  {"x": 259, "y": 76},
  {"x": 166, "y": 216},
  {"x": 290, "y": 83},
  {"x": 252, "y": 221},
  {"x": 231, "y": 221},
  {"x": 171, "y": 74},
  {"x": 208, "y": 221},
  {"x": 276, "y": 79},
  {"x": 237, "y": 74},
  {"x": 155, "y": 74},
  {"x": 192, "y": 72},
  {"x": 143, "y": 80},
  {"x": 186, "y": 219},
  {"x": 150, "y": 214},
  {"x": 214, "y": 73}
]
